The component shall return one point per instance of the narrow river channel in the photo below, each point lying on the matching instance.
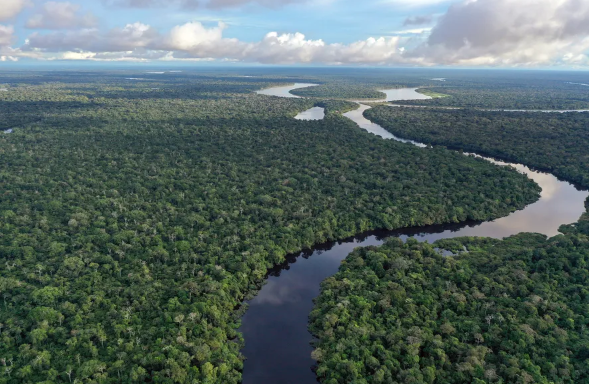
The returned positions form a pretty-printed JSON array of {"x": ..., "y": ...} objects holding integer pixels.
[{"x": 275, "y": 326}]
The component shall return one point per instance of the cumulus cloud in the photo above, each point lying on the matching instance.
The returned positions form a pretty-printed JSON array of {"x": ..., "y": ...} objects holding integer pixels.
[
  {"x": 11, "y": 8},
  {"x": 237, "y": 3},
  {"x": 290, "y": 48},
  {"x": 136, "y": 35},
  {"x": 6, "y": 35},
  {"x": 7, "y": 52},
  {"x": 296, "y": 48},
  {"x": 416, "y": 3},
  {"x": 414, "y": 31},
  {"x": 192, "y": 35},
  {"x": 287, "y": 48},
  {"x": 195, "y": 41},
  {"x": 509, "y": 32},
  {"x": 56, "y": 15},
  {"x": 130, "y": 37},
  {"x": 473, "y": 32},
  {"x": 191, "y": 4},
  {"x": 151, "y": 3}
]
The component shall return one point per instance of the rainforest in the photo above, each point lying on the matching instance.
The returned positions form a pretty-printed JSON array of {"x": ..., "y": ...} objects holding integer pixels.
[{"x": 145, "y": 219}]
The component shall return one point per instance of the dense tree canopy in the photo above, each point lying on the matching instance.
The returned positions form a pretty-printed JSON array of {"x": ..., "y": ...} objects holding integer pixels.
[
  {"x": 341, "y": 91},
  {"x": 554, "y": 142},
  {"x": 500, "y": 311},
  {"x": 497, "y": 311},
  {"x": 509, "y": 93},
  {"x": 136, "y": 215}
]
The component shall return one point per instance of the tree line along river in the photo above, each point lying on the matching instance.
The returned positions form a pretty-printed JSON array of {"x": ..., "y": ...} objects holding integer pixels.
[{"x": 275, "y": 326}]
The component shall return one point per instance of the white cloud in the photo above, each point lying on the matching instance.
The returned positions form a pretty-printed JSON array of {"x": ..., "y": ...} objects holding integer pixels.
[
  {"x": 7, "y": 52},
  {"x": 236, "y": 3},
  {"x": 78, "y": 55},
  {"x": 473, "y": 32},
  {"x": 61, "y": 15},
  {"x": 509, "y": 32},
  {"x": 191, "y": 4},
  {"x": 150, "y": 3},
  {"x": 414, "y": 31},
  {"x": 195, "y": 41},
  {"x": 192, "y": 35},
  {"x": 129, "y": 38},
  {"x": 11, "y": 8},
  {"x": 132, "y": 36},
  {"x": 6, "y": 37},
  {"x": 286, "y": 48},
  {"x": 416, "y": 3}
]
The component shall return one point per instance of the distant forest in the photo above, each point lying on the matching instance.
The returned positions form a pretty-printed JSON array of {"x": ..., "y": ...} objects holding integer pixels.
[{"x": 137, "y": 215}]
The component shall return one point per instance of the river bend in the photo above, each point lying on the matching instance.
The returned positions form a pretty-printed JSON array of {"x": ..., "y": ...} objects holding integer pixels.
[{"x": 275, "y": 325}]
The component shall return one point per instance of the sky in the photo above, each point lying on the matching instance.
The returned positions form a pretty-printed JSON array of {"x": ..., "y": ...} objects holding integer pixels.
[{"x": 407, "y": 33}]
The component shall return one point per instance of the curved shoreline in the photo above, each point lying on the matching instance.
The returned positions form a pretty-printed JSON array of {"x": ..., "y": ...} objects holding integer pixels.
[
  {"x": 284, "y": 90},
  {"x": 275, "y": 325}
]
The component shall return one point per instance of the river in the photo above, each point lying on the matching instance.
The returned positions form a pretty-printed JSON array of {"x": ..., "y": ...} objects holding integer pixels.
[
  {"x": 284, "y": 90},
  {"x": 275, "y": 325},
  {"x": 315, "y": 113}
]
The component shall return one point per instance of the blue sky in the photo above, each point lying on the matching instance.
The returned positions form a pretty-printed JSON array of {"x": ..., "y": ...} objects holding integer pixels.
[
  {"x": 487, "y": 33},
  {"x": 342, "y": 21}
]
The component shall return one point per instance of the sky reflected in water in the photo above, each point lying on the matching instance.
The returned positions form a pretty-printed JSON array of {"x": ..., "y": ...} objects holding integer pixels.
[
  {"x": 284, "y": 91},
  {"x": 275, "y": 325},
  {"x": 315, "y": 113}
]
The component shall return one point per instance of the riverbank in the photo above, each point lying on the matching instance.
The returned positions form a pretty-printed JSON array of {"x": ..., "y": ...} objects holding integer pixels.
[{"x": 275, "y": 325}]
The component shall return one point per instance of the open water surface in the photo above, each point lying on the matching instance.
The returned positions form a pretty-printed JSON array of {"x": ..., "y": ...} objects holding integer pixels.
[
  {"x": 275, "y": 326},
  {"x": 284, "y": 90},
  {"x": 315, "y": 113}
]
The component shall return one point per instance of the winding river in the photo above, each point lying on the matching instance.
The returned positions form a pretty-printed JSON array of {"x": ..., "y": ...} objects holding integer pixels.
[
  {"x": 284, "y": 90},
  {"x": 275, "y": 325}
]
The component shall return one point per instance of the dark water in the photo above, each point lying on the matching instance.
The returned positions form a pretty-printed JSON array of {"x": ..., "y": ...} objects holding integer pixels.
[{"x": 275, "y": 325}]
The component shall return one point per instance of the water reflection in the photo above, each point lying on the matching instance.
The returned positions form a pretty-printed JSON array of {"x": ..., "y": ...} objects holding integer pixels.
[
  {"x": 315, "y": 113},
  {"x": 275, "y": 325},
  {"x": 358, "y": 117},
  {"x": 404, "y": 94},
  {"x": 550, "y": 185},
  {"x": 391, "y": 95},
  {"x": 278, "y": 294},
  {"x": 560, "y": 202},
  {"x": 284, "y": 91}
]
